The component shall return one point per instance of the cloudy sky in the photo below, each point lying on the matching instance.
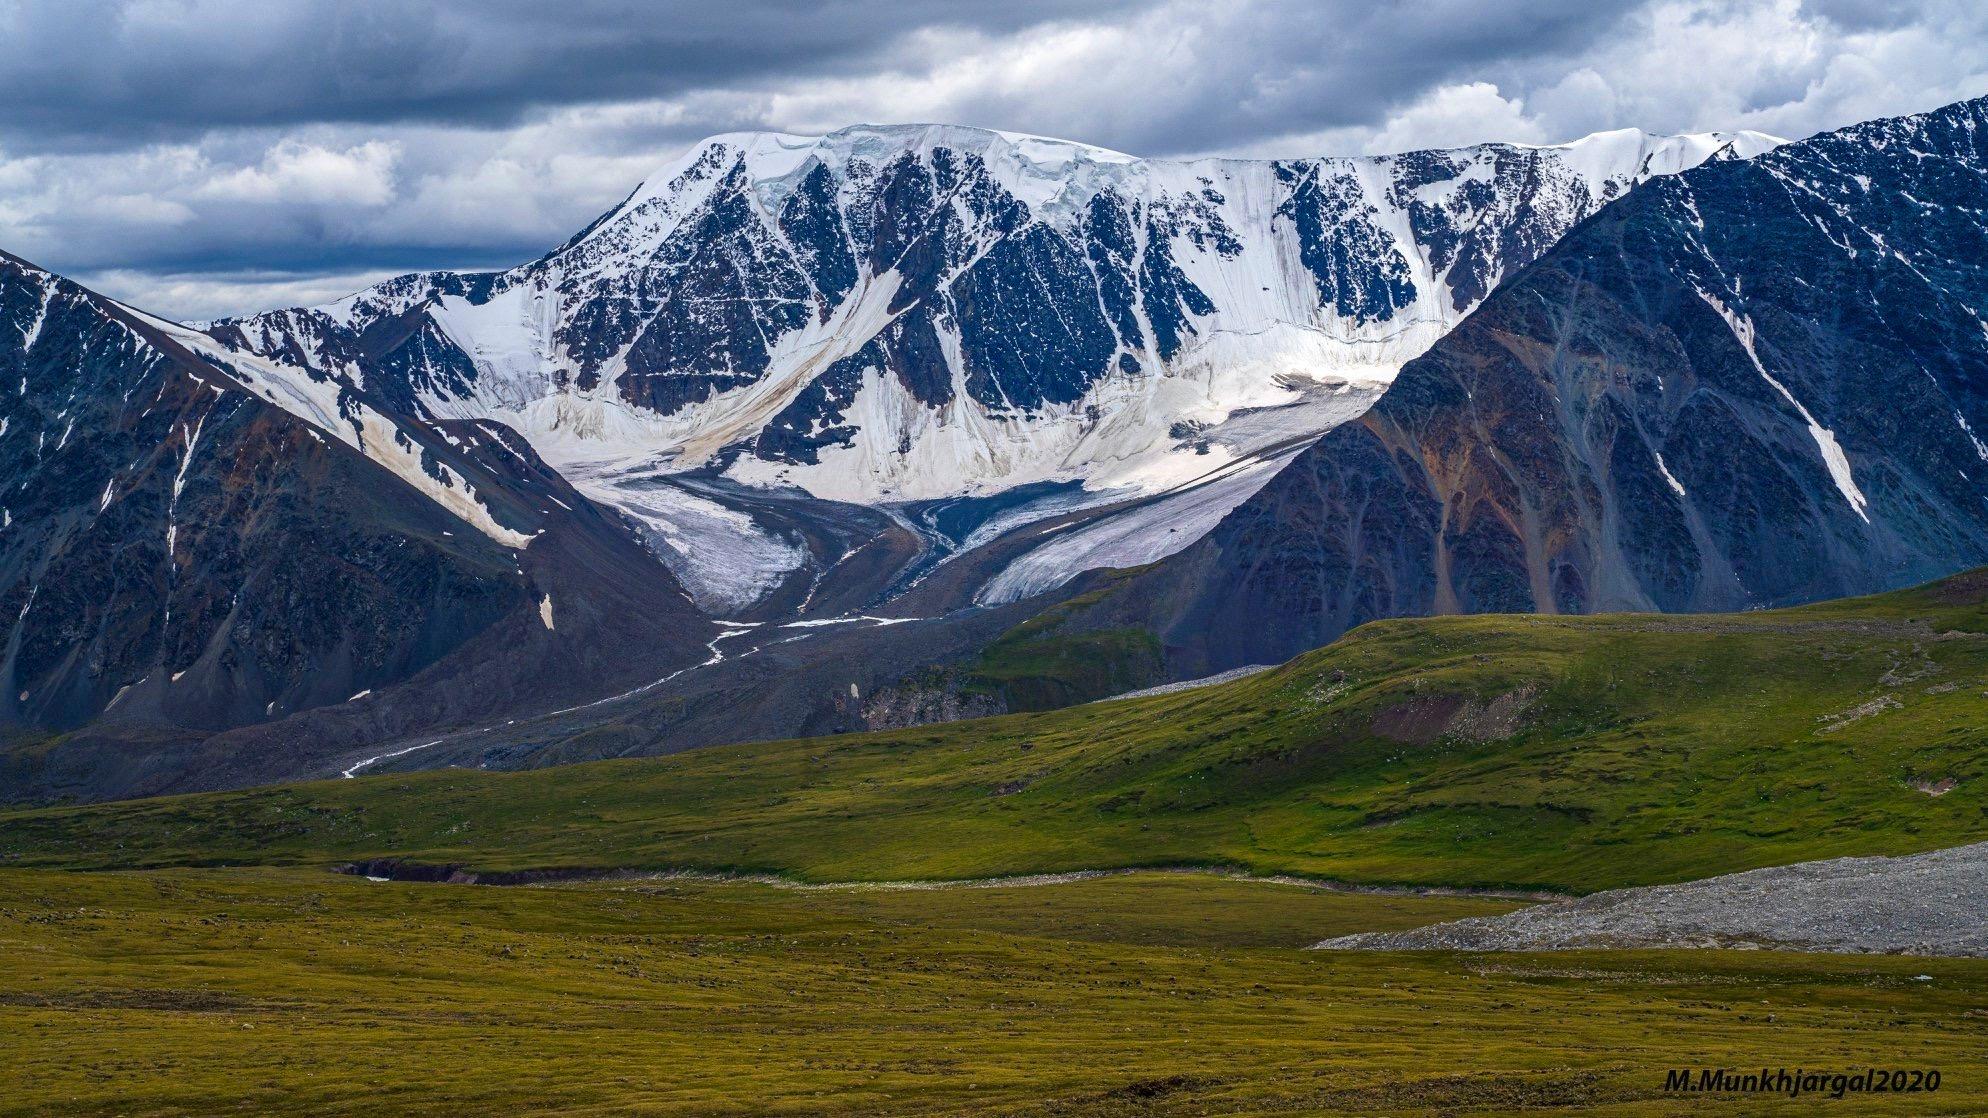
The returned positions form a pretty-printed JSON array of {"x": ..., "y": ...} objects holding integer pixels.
[{"x": 202, "y": 157}]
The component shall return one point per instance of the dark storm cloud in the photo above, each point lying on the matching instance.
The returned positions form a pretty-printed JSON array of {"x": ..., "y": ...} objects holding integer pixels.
[
  {"x": 1303, "y": 65},
  {"x": 104, "y": 71},
  {"x": 107, "y": 72},
  {"x": 207, "y": 156}
]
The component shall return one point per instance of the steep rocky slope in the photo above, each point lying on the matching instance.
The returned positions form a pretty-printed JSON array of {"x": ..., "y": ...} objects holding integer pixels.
[
  {"x": 214, "y": 566},
  {"x": 1756, "y": 383}
]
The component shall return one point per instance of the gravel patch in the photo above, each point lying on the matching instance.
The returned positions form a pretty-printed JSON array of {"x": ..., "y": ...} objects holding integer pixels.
[
  {"x": 1191, "y": 684},
  {"x": 1925, "y": 904},
  {"x": 389, "y": 869}
]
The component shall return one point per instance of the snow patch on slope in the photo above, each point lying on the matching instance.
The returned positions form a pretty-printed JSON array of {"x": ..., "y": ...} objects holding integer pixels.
[
  {"x": 1669, "y": 478},
  {"x": 1833, "y": 458}
]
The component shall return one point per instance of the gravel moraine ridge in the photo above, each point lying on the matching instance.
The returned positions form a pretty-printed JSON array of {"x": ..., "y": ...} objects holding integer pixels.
[
  {"x": 1924, "y": 904},
  {"x": 1191, "y": 684}
]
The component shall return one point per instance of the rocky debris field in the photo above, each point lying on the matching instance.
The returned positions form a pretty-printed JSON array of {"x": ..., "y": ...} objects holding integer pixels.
[{"x": 1925, "y": 904}]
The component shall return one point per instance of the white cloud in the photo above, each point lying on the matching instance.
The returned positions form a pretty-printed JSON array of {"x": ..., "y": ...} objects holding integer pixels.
[
  {"x": 263, "y": 213},
  {"x": 1578, "y": 104},
  {"x": 1778, "y": 66},
  {"x": 136, "y": 209},
  {"x": 292, "y": 171},
  {"x": 1456, "y": 116}
]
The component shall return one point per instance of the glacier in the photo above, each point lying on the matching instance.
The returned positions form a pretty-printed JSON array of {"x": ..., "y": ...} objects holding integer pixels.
[{"x": 886, "y": 315}]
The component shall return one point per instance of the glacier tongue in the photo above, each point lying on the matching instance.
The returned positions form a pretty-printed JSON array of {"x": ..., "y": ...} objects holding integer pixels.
[{"x": 723, "y": 557}]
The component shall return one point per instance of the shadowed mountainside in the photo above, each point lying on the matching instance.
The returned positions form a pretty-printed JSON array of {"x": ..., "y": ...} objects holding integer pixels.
[{"x": 1755, "y": 383}]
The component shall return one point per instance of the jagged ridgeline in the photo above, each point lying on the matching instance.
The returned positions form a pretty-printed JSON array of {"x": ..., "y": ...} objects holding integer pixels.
[
  {"x": 1755, "y": 383},
  {"x": 916, "y": 312}
]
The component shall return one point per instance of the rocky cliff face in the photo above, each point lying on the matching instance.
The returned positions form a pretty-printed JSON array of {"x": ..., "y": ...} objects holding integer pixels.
[
  {"x": 920, "y": 312},
  {"x": 1756, "y": 383},
  {"x": 195, "y": 544}
]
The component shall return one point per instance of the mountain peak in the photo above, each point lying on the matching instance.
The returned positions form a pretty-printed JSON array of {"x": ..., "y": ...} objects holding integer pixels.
[
  {"x": 885, "y": 139},
  {"x": 715, "y": 307},
  {"x": 1753, "y": 384},
  {"x": 1057, "y": 179},
  {"x": 908, "y": 312},
  {"x": 775, "y": 162}
]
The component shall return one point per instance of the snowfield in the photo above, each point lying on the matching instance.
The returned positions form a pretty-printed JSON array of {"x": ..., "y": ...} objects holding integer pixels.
[{"x": 885, "y": 315}]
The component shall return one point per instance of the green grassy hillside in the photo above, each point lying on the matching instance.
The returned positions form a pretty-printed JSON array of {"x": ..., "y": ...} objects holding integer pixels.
[
  {"x": 1567, "y": 753},
  {"x": 1047, "y": 662}
]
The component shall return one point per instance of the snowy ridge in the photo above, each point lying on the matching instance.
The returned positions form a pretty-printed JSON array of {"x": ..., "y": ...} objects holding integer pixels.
[
  {"x": 912, "y": 312},
  {"x": 1056, "y": 178},
  {"x": 327, "y": 408},
  {"x": 1229, "y": 226},
  {"x": 319, "y": 401}
]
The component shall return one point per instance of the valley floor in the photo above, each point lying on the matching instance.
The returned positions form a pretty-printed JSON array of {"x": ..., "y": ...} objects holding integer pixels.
[
  {"x": 274, "y": 991},
  {"x": 192, "y": 955}
]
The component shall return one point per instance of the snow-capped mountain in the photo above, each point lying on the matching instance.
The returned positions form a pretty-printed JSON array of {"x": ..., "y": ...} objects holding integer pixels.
[
  {"x": 911, "y": 313},
  {"x": 214, "y": 565},
  {"x": 1753, "y": 384}
]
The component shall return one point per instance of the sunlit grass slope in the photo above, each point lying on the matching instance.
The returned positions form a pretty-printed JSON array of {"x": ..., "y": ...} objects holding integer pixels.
[{"x": 1557, "y": 752}]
